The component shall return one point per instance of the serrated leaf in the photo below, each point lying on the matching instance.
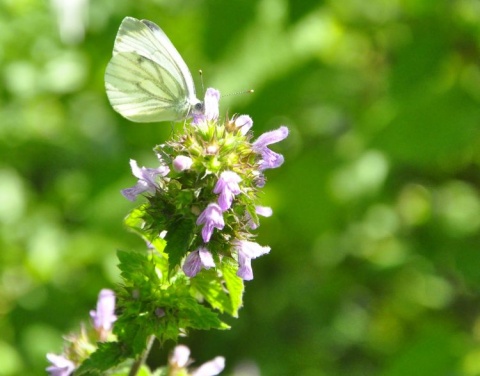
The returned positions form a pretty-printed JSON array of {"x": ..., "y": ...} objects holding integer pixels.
[
  {"x": 235, "y": 285},
  {"x": 204, "y": 318},
  {"x": 209, "y": 285},
  {"x": 179, "y": 237},
  {"x": 134, "y": 266},
  {"x": 108, "y": 355},
  {"x": 135, "y": 219}
]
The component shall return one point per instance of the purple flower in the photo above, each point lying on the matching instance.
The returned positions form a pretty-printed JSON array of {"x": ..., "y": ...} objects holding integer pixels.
[
  {"x": 264, "y": 211},
  {"x": 146, "y": 180},
  {"x": 210, "y": 368},
  {"x": 196, "y": 260},
  {"x": 270, "y": 159},
  {"x": 61, "y": 366},
  {"x": 243, "y": 123},
  {"x": 211, "y": 218},
  {"x": 246, "y": 252},
  {"x": 182, "y": 163},
  {"x": 180, "y": 356},
  {"x": 212, "y": 97},
  {"x": 180, "y": 359},
  {"x": 104, "y": 316},
  {"x": 227, "y": 187}
]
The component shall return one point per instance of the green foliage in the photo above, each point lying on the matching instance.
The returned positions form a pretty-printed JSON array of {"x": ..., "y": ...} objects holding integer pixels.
[
  {"x": 143, "y": 294},
  {"x": 210, "y": 285},
  {"x": 108, "y": 355},
  {"x": 179, "y": 238}
]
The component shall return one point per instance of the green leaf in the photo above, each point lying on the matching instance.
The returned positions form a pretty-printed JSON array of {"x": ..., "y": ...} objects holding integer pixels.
[
  {"x": 135, "y": 267},
  {"x": 108, "y": 355},
  {"x": 209, "y": 285},
  {"x": 201, "y": 317},
  {"x": 234, "y": 285},
  {"x": 179, "y": 237},
  {"x": 135, "y": 220}
]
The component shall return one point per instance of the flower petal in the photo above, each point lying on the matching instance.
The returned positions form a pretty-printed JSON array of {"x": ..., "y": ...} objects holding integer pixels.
[{"x": 210, "y": 368}]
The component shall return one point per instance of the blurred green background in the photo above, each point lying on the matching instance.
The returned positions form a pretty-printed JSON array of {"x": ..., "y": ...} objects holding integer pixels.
[{"x": 375, "y": 261}]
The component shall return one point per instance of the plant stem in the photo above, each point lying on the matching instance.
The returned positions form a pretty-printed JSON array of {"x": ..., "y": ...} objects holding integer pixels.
[{"x": 138, "y": 363}]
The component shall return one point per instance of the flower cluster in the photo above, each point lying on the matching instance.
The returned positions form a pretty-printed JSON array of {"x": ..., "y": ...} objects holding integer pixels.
[
  {"x": 80, "y": 346},
  {"x": 209, "y": 181}
]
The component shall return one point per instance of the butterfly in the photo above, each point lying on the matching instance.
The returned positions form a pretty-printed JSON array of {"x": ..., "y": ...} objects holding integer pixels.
[{"x": 147, "y": 80}]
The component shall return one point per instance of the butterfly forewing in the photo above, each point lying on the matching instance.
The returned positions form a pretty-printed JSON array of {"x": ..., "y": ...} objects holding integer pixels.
[
  {"x": 142, "y": 91},
  {"x": 147, "y": 79}
]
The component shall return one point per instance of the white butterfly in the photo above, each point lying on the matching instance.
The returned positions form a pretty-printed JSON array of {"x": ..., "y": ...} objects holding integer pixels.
[{"x": 146, "y": 79}]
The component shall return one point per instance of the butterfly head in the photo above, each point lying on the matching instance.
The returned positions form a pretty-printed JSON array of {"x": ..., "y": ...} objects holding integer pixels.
[{"x": 198, "y": 108}]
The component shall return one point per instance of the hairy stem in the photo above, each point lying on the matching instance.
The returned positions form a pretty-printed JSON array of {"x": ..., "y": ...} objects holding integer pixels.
[{"x": 138, "y": 363}]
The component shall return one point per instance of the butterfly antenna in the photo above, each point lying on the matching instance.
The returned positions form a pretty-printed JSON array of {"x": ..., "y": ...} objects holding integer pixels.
[{"x": 239, "y": 92}]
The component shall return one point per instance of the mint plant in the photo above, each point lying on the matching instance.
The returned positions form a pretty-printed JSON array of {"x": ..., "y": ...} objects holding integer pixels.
[{"x": 198, "y": 220}]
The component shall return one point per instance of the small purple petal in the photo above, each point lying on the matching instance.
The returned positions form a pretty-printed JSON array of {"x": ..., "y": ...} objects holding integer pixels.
[
  {"x": 260, "y": 181},
  {"x": 61, "y": 366},
  {"x": 206, "y": 257},
  {"x": 180, "y": 356},
  {"x": 270, "y": 159},
  {"x": 245, "y": 270},
  {"x": 212, "y": 97},
  {"x": 264, "y": 211},
  {"x": 227, "y": 186},
  {"x": 104, "y": 316},
  {"x": 196, "y": 260},
  {"x": 247, "y": 251},
  {"x": 159, "y": 312},
  {"x": 182, "y": 163},
  {"x": 146, "y": 180},
  {"x": 211, "y": 218},
  {"x": 192, "y": 264},
  {"x": 243, "y": 123},
  {"x": 148, "y": 174},
  {"x": 210, "y": 368},
  {"x": 271, "y": 137}
]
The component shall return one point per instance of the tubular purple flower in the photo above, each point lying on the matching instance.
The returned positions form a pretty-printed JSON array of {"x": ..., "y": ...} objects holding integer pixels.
[
  {"x": 104, "y": 316},
  {"x": 182, "y": 163},
  {"x": 146, "y": 180},
  {"x": 227, "y": 187},
  {"x": 247, "y": 251},
  {"x": 61, "y": 366},
  {"x": 196, "y": 260},
  {"x": 180, "y": 356},
  {"x": 264, "y": 211},
  {"x": 211, "y": 218},
  {"x": 270, "y": 159},
  {"x": 210, "y": 368},
  {"x": 243, "y": 124},
  {"x": 212, "y": 97}
]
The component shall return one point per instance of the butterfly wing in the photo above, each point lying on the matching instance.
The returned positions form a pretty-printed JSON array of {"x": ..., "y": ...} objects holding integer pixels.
[
  {"x": 142, "y": 91},
  {"x": 146, "y": 79}
]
